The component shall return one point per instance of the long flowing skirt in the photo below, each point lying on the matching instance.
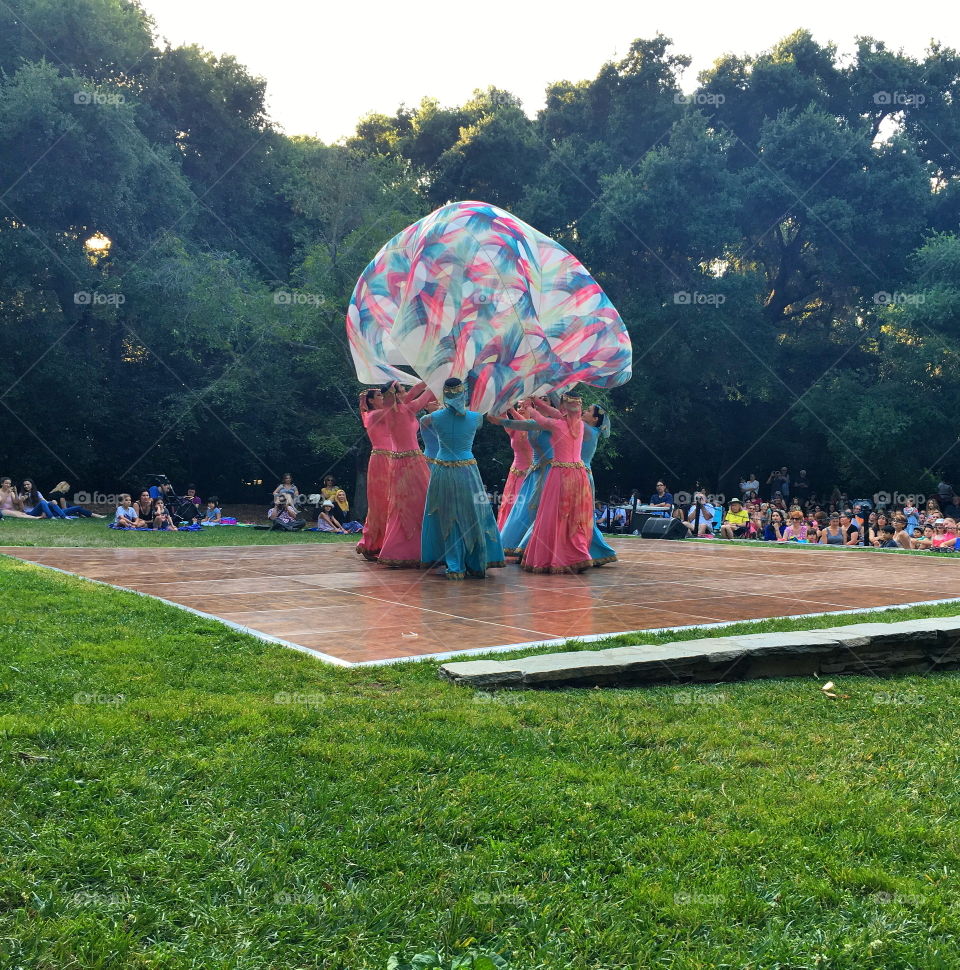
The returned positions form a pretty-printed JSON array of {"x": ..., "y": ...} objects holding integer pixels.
[
  {"x": 524, "y": 510},
  {"x": 408, "y": 495},
  {"x": 601, "y": 551},
  {"x": 459, "y": 528},
  {"x": 378, "y": 505},
  {"x": 511, "y": 490},
  {"x": 560, "y": 540}
]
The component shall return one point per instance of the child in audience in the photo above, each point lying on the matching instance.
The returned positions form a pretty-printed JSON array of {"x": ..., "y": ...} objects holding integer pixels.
[
  {"x": 212, "y": 515},
  {"x": 162, "y": 518},
  {"x": 326, "y": 521},
  {"x": 126, "y": 515}
]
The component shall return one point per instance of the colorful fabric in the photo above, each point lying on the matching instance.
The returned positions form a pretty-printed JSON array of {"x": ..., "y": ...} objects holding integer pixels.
[{"x": 471, "y": 291}]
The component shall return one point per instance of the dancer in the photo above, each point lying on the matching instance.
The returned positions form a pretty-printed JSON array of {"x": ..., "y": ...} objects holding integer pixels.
[
  {"x": 522, "y": 460},
  {"x": 459, "y": 528},
  {"x": 375, "y": 421},
  {"x": 409, "y": 478},
  {"x": 563, "y": 528},
  {"x": 596, "y": 425},
  {"x": 520, "y": 519}
]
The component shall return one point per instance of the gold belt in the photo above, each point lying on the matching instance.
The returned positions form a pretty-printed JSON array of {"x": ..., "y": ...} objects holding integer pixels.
[
  {"x": 395, "y": 454},
  {"x": 568, "y": 464},
  {"x": 519, "y": 471},
  {"x": 429, "y": 461},
  {"x": 455, "y": 464}
]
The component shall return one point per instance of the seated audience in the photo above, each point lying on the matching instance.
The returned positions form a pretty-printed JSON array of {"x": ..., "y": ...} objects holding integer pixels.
[
  {"x": 832, "y": 535},
  {"x": 146, "y": 507},
  {"x": 161, "y": 517},
  {"x": 289, "y": 491},
  {"x": 326, "y": 522},
  {"x": 58, "y": 494},
  {"x": 888, "y": 541},
  {"x": 708, "y": 516},
  {"x": 191, "y": 496},
  {"x": 796, "y": 531},
  {"x": 736, "y": 521},
  {"x": 773, "y": 530},
  {"x": 10, "y": 503},
  {"x": 126, "y": 516},
  {"x": 330, "y": 488},
  {"x": 212, "y": 514},
  {"x": 851, "y": 530},
  {"x": 946, "y": 534},
  {"x": 34, "y": 504},
  {"x": 284, "y": 516},
  {"x": 661, "y": 498}
]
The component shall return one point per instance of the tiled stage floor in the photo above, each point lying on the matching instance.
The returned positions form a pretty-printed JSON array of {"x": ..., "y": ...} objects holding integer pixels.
[{"x": 326, "y": 599}]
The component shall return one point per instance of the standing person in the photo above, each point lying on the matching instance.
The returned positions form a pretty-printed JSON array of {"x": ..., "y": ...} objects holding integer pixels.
[
  {"x": 596, "y": 425},
  {"x": 373, "y": 404},
  {"x": 459, "y": 528},
  {"x": 563, "y": 528},
  {"x": 750, "y": 487},
  {"x": 800, "y": 489},
  {"x": 409, "y": 478},
  {"x": 520, "y": 520},
  {"x": 522, "y": 460}
]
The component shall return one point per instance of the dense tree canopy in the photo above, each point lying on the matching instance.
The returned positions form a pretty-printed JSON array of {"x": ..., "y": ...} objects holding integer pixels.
[{"x": 174, "y": 272}]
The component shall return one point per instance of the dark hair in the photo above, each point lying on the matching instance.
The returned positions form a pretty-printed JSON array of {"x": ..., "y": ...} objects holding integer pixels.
[
  {"x": 191, "y": 485},
  {"x": 33, "y": 495},
  {"x": 452, "y": 382},
  {"x": 214, "y": 499},
  {"x": 371, "y": 392},
  {"x": 385, "y": 388}
]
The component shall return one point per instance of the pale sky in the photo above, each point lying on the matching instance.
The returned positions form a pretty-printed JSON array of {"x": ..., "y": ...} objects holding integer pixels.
[{"x": 329, "y": 63}]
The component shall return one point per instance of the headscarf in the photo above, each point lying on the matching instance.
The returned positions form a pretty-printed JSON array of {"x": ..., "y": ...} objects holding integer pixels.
[{"x": 455, "y": 395}]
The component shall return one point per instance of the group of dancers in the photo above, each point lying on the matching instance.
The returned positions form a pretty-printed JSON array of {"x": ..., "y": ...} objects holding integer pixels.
[{"x": 430, "y": 508}]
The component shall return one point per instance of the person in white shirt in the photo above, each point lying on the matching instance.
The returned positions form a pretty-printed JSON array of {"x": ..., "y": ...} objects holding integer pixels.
[
  {"x": 750, "y": 487},
  {"x": 708, "y": 516},
  {"x": 126, "y": 516}
]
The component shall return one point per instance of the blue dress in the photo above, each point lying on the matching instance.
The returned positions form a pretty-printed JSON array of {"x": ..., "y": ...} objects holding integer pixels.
[
  {"x": 520, "y": 520},
  {"x": 431, "y": 444},
  {"x": 600, "y": 550},
  {"x": 459, "y": 527}
]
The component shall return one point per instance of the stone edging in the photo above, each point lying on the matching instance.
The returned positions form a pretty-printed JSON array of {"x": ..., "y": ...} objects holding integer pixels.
[{"x": 910, "y": 646}]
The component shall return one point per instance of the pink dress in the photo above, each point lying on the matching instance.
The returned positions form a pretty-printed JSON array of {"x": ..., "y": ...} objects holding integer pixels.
[
  {"x": 522, "y": 460},
  {"x": 408, "y": 486},
  {"x": 560, "y": 540},
  {"x": 378, "y": 482}
]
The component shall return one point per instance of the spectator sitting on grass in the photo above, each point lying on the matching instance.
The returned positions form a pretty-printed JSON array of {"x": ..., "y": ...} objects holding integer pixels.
[
  {"x": 330, "y": 488},
  {"x": 326, "y": 521},
  {"x": 796, "y": 531},
  {"x": 161, "y": 517},
  {"x": 58, "y": 496},
  {"x": 212, "y": 514},
  {"x": 946, "y": 534},
  {"x": 192, "y": 496},
  {"x": 832, "y": 535},
  {"x": 10, "y": 503},
  {"x": 287, "y": 490},
  {"x": 283, "y": 516},
  {"x": 888, "y": 541},
  {"x": 773, "y": 530},
  {"x": 851, "y": 530},
  {"x": 708, "y": 516},
  {"x": 34, "y": 504},
  {"x": 126, "y": 516},
  {"x": 341, "y": 513},
  {"x": 146, "y": 507},
  {"x": 736, "y": 521}
]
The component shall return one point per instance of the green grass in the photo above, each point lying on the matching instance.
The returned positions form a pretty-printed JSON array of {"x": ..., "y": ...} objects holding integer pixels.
[
  {"x": 178, "y": 795},
  {"x": 95, "y": 534}
]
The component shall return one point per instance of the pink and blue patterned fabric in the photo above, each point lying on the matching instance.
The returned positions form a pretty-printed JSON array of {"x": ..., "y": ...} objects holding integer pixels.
[{"x": 471, "y": 291}]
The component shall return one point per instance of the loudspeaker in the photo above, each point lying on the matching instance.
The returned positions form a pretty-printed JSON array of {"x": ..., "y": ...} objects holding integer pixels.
[{"x": 663, "y": 529}]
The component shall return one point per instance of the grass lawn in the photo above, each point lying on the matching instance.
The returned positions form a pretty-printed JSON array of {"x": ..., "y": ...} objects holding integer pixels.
[
  {"x": 95, "y": 534},
  {"x": 176, "y": 795}
]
